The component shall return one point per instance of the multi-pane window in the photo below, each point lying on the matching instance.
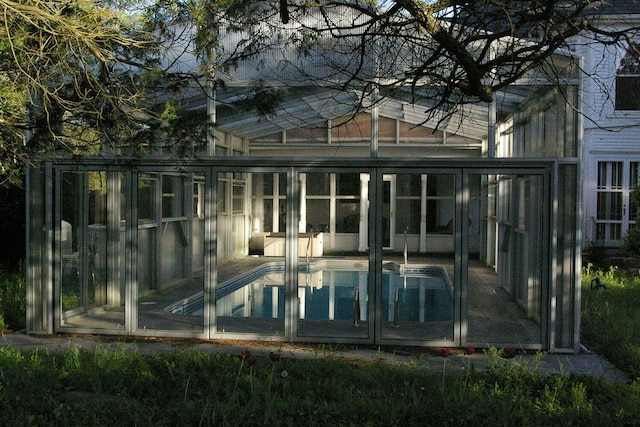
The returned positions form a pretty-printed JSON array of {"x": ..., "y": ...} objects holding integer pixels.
[
  {"x": 609, "y": 213},
  {"x": 628, "y": 80},
  {"x": 269, "y": 197}
]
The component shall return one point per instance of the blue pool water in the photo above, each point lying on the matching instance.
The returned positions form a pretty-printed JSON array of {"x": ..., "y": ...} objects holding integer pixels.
[{"x": 332, "y": 290}]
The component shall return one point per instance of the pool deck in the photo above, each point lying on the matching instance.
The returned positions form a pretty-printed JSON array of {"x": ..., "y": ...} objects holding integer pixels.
[{"x": 493, "y": 317}]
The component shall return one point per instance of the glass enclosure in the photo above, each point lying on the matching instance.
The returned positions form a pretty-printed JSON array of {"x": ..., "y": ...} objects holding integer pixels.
[{"x": 418, "y": 255}]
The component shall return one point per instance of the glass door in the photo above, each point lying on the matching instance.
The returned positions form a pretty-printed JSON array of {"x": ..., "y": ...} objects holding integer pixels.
[{"x": 418, "y": 296}]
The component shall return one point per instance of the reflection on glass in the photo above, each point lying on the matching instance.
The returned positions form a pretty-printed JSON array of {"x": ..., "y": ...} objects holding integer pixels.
[
  {"x": 170, "y": 252},
  {"x": 505, "y": 302},
  {"x": 90, "y": 294},
  {"x": 418, "y": 297},
  {"x": 249, "y": 294}
]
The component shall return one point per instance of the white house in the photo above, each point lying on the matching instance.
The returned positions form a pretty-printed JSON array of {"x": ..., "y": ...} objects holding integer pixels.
[{"x": 611, "y": 127}]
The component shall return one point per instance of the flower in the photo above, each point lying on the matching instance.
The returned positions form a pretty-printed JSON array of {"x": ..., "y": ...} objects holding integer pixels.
[
  {"x": 284, "y": 374},
  {"x": 471, "y": 350},
  {"x": 245, "y": 355},
  {"x": 274, "y": 357},
  {"x": 251, "y": 360},
  {"x": 445, "y": 352}
]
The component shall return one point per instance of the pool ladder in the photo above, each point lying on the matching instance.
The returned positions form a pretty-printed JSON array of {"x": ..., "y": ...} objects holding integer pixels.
[{"x": 309, "y": 242}]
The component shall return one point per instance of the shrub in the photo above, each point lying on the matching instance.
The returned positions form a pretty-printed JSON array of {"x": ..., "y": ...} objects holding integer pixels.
[{"x": 631, "y": 241}]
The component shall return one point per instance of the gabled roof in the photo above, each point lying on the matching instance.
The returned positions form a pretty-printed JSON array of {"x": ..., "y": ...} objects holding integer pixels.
[{"x": 302, "y": 107}]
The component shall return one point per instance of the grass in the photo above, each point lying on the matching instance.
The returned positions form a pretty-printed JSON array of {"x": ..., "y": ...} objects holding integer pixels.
[
  {"x": 611, "y": 317},
  {"x": 195, "y": 388},
  {"x": 188, "y": 387}
]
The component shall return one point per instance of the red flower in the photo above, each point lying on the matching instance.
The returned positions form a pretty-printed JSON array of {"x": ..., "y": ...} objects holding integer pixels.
[
  {"x": 445, "y": 352},
  {"x": 471, "y": 350},
  {"x": 251, "y": 360},
  {"x": 274, "y": 357},
  {"x": 510, "y": 353},
  {"x": 245, "y": 355}
]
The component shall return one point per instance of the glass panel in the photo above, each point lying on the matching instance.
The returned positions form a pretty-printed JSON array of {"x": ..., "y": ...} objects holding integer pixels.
[
  {"x": 170, "y": 280},
  {"x": 172, "y": 196},
  {"x": 333, "y": 292},
  {"x": 238, "y": 197},
  {"x": 348, "y": 184},
  {"x": 74, "y": 289},
  {"x": 408, "y": 203},
  {"x": 268, "y": 209},
  {"x": 386, "y": 130},
  {"x": 417, "y": 286},
  {"x": 352, "y": 129},
  {"x": 610, "y": 206},
  {"x": 565, "y": 327},
  {"x": 408, "y": 216},
  {"x": 408, "y": 185},
  {"x": 318, "y": 184},
  {"x": 633, "y": 183},
  {"x": 147, "y": 185},
  {"x": 504, "y": 303},
  {"x": 222, "y": 195},
  {"x": 262, "y": 185},
  {"x": 318, "y": 215},
  {"x": 417, "y": 133},
  {"x": 92, "y": 248},
  {"x": 310, "y": 134},
  {"x": 347, "y": 216},
  {"x": 249, "y": 294}
]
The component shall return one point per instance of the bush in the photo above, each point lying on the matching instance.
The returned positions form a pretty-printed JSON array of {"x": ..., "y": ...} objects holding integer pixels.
[
  {"x": 631, "y": 241},
  {"x": 12, "y": 301}
]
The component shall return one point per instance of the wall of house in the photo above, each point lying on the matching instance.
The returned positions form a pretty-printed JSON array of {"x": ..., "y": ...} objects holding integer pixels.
[{"x": 611, "y": 146}]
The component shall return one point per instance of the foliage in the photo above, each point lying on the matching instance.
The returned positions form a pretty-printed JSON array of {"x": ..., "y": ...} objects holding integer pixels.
[
  {"x": 77, "y": 387},
  {"x": 631, "y": 241},
  {"x": 611, "y": 318},
  {"x": 12, "y": 225},
  {"x": 97, "y": 75},
  {"x": 12, "y": 300},
  {"x": 78, "y": 66}
]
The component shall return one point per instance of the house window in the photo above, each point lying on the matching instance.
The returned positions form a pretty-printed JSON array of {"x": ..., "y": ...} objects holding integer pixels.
[{"x": 628, "y": 80}]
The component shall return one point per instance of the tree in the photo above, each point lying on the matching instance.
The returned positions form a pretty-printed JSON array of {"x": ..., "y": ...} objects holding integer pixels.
[
  {"x": 97, "y": 74},
  {"x": 443, "y": 53},
  {"x": 70, "y": 72}
]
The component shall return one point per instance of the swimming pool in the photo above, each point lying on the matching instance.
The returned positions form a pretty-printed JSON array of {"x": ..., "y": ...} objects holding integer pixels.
[{"x": 332, "y": 290}]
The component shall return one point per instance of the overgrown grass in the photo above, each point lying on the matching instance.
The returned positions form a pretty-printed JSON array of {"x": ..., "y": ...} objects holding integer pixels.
[
  {"x": 611, "y": 317},
  {"x": 195, "y": 388}
]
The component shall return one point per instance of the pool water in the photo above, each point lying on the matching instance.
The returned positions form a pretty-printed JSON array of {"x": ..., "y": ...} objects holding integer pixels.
[{"x": 330, "y": 290}]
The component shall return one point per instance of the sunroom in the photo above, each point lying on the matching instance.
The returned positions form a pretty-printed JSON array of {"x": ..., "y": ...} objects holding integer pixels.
[{"x": 317, "y": 224}]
